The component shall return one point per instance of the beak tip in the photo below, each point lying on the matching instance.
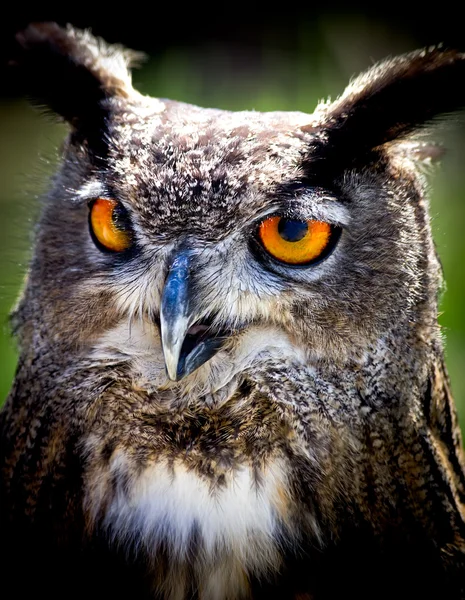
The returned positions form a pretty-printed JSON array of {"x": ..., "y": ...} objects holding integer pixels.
[
  {"x": 170, "y": 376},
  {"x": 172, "y": 367}
]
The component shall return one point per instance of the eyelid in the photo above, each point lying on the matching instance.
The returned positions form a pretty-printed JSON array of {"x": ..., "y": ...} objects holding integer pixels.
[
  {"x": 331, "y": 212},
  {"x": 90, "y": 191},
  {"x": 327, "y": 210}
]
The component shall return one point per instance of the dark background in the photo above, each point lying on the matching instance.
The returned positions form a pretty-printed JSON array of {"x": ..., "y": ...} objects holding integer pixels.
[
  {"x": 233, "y": 56},
  {"x": 246, "y": 26}
]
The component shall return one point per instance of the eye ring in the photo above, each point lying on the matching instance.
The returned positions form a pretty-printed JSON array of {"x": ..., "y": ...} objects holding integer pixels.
[
  {"x": 297, "y": 243},
  {"x": 110, "y": 225}
]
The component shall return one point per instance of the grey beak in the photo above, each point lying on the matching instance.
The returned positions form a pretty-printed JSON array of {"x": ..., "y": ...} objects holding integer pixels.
[{"x": 183, "y": 351}]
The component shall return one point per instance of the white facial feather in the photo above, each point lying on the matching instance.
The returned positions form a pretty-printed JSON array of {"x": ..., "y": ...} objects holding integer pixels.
[{"x": 139, "y": 344}]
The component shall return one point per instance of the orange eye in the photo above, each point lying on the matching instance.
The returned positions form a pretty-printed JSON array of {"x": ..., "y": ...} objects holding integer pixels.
[
  {"x": 296, "y": 242},
  {"x": 109, "y": 224}
]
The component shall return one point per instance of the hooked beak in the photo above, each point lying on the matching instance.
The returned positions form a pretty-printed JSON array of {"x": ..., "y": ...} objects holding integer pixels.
[{"x": 187, "y": 342}]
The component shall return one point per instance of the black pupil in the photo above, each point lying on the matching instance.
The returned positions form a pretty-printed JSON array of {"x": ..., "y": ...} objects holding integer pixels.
[
  {"x": 120, "y": 217},
  {"x": 292, "y": 231}
]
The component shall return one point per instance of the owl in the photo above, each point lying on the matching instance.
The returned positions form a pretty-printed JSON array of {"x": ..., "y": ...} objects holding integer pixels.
[{"x": 231, "y": 383}]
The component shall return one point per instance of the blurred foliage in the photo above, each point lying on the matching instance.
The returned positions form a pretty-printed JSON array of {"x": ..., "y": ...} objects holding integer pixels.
[{"x": 231, "y": 76}]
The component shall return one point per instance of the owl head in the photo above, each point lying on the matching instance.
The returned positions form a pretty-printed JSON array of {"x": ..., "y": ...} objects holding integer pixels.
[{"x": 197, "y": 243}]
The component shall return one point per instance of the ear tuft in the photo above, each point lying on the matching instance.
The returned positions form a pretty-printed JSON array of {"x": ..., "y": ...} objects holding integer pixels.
[
  {"x": 71, "y": 72},
  {"x": 390, "y": 102}
]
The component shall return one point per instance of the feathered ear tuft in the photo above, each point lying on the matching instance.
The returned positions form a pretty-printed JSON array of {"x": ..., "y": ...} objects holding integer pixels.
[
  {"x": 391, "y": 101},
  {"x": 72, "y": 73}
]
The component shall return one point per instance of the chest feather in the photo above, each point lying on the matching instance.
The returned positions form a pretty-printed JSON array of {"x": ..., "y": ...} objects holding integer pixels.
[{"x": 222, "y": 533}]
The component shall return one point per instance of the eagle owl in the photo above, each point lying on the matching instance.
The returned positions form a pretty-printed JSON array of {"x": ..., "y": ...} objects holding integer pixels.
[{"x": 231, "y": 381}]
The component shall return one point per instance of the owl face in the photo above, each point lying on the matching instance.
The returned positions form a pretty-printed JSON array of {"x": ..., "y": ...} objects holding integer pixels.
[
  {"x": 224, "y": 238},
  {"x": 220, "y": 237}
]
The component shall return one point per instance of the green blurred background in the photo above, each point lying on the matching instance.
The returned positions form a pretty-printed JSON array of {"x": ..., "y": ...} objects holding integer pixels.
[{"x": 234, "y": 57}]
